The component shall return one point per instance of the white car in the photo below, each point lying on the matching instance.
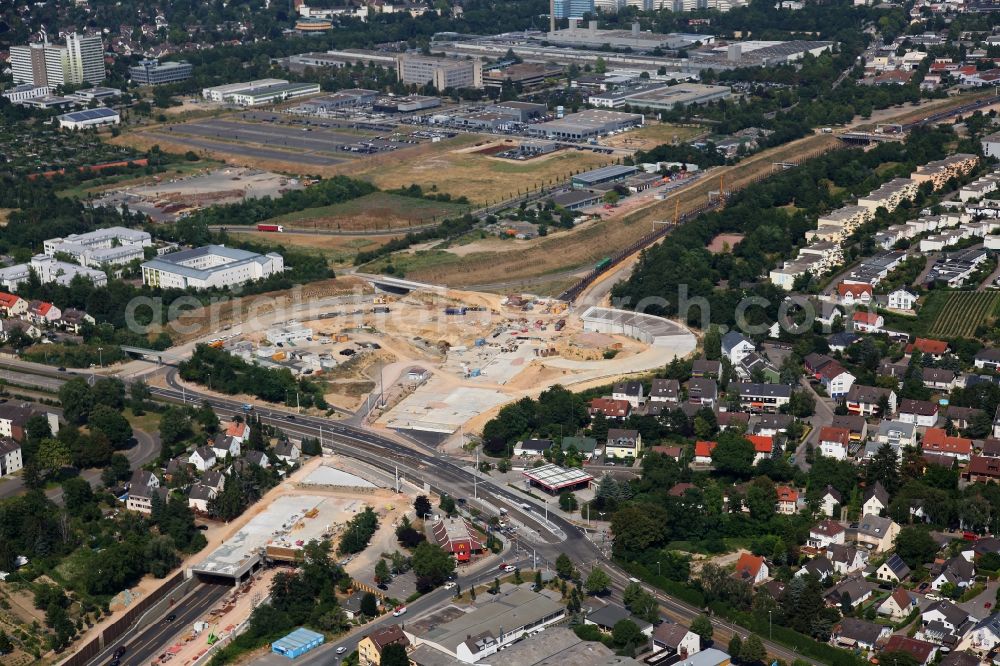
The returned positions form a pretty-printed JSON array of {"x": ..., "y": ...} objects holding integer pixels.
[
  {"x": 399, "y": 611},
  {"x": 341, "y": 650},
  {"x": 510, "y": 568},
  {"x": 449, "y": 585}
]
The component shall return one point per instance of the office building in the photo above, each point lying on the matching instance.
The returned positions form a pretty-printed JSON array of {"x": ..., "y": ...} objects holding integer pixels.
[
  {"x": 210, "y": 266},
  {"x": 80, "y": 60},
  {"x": 26, "y": 91},
  {"x": 271, "y": 94},
  {"x": 219, "y": 93},
  {"x": 634, "y": 38},
  {"x": 586, "y": 124},
  {"x": 113, "y": 246},
  {"x": 441, "y": 73},
  {"x": 154, "y": 73},
  {"x": 48, "y": 269},
  {"x": 572, "y": 9},
  {"x": 661, "y": 97}
]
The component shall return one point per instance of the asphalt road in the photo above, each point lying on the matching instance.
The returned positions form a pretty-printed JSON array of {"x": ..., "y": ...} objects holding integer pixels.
[
  {"x": 243, "y": 149},
  {"x": 823, "y": 416},
  {"x": 444, "y": 475},
  {"x": 143, "y": 645}
]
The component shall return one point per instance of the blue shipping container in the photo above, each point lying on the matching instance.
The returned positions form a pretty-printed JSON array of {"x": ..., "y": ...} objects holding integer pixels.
[{"x": 297, "y": 643}]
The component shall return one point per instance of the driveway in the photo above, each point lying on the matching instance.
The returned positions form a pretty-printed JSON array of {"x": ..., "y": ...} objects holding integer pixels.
[
  {"x": 822, "y": 417},
  {"x": 977, "y": 607}
]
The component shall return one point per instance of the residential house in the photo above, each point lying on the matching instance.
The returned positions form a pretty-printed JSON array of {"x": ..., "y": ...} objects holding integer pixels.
[
  {"x": 704, "y": 392},
  {"x": 214, "y": 479},
  {"x": 937, "y": 440},
  {"x": 763, "y": 447},
  {"x": 878, "y": 532},
  {"x": 855, "y": 588},
  {"x": 14, "y": 419},
  {"x": 12, "y": 306},
  {"x": 893, "y": 570},
  {"x": 922, "y": 651},
  {"x": 896, "y": 434},
  {"x": 856, "y": 425},
  {"x": 610, "y": 408},
  {"x": 727, "y": 419},
  {"x": 982, "y": 469},
  {"x": 985, "y": 636},
  {"x": 199, "y": 496},
  {"x": 988, "y": 359},
  {"x": 752, "y": 568},
  {"x": 10, "y": 456},
  {"x": 675, "y": 639},
  {"x": 923, "y": 413},
  {"x": 606, "y": 617},
  {"x": 352, "y": 604},
  {"x": 623, "y": 443},
  {"x": 73, "y": 320},
  {"x": 759, "y": 398},
  {"x": 944, "y": 623},
  {"x": 772, "y": 425},
  {"x": 41, "y": 313},
  {"x": 675, "y": 452},
  {"x": 370, "y": 647},
  {"x": 225, "y": 446},
  {"x": 868, "y": 322},
  {"x": 962, "y": 417},
  {"x": 876, "y": 499},
  {"x": 754, "y": 365},
  {"x": 839, "y": 342},
  {"x": 703, "y": 452},
  {"x": 142, "y": 487},
  {"x": 258, "y": 458},
  {"x": 847, "y": 559},
  {"x": 864, "y": 400},
  {"x": 957, "y": 571},
  {"x": 821, "y": 567},
  {"x": 939, "y": 379},
  {"x": 631, "y": 391},
  {"x": 238, "y": 430},
  {"x": 852, "y": 294},
  {"x": 960, "y": 659},
  {"x": 898, "y": 605},
  {"x": 203, "y": 458},
  {"x": 706, "y": 369},
  {"x": 532, "y": 447},
  {"x": 825, "y": 534},
  {"x": 836, "y": 380},
  {"x": 901, "y": 299},
  {"x": 830, "y": 501},
  {"x": 834, "y": 442},
  {"x": 928, "y": 347},
  {"x": 735, "y": 347},
  {"x": 287, "y": 451},
  {"x": 665, "y": 390},
  {"x": 788, "y": 499},
  {"x": 854, "y": 633}
]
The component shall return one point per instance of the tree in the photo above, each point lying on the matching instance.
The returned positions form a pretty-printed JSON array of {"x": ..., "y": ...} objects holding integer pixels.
[
  {"x": 627, "y": 636},
  {"x": 611, "y": 197},
  {"x": 111, "y": 422},
  {"x": 117, "y": 470},
  {"x": 735, "y": 645},
  {"x": 597, "y": 582},
  {"x": 702, "y": 626},
  {"x": 915, "y": 545},
  {"x": 884, "y": 467},
  {"x": 369, "y": 605},
  {"x": 382, "y": 575},
  {"x": 752, "y": 651},
  {"x": 564, "y": 566},
  {"x": 6, "y": 646},
  {"x": 567, "y": 502},
  {"x": 447, "y": 505},
  {"x": 76, "y": 400},
  {"x": 53, "y": 455},
  {"x": 109, "y": 391},
  {"x": 432, "y": 566},
  {"x": 897, "y": 658},
  {"x": 175, "y": 426},
  {"x": 422, "y": 506},
  {"x": 394, "y": 654},
  {"x": 733, "y": 455},
  {"x": 802, "y": 404}
]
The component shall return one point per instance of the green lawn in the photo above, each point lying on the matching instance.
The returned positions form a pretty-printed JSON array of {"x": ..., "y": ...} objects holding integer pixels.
[{"x": 381, "y": 206}]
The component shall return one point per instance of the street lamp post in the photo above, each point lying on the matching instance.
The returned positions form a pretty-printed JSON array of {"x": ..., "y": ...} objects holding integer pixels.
[
  {"x": 100, "y": 355},
  {"x": 658, "y": 571},
  {"x": 770, "y": 633}
]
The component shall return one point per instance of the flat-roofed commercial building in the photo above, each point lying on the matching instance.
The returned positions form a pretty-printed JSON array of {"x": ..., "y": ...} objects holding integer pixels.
[
  {"x": 488, "y": 628},
  {"x": 219, "y": 93},
  {"x": 608, "y": 174},
  {"x": 210, "y": 266},
  {"x": 271, "y": 94},
  {"x": 154, "y": 72},
  {"x": 441, "y": 73},
  {"x": 88, "y": 118},
  {"x": 555, "y": 479},
  {"x": 661, "y": 97},
  {"x": 586, "y": 124},
  {"x": 636, "y": 39}
]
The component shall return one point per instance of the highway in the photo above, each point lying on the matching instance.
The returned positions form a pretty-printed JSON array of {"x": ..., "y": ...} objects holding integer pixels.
[
  {"x": 444, "y": 474},
  {"x": 143, "y": 645}
]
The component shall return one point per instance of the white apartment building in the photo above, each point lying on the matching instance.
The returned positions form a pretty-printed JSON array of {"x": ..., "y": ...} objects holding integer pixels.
[
  {"x": 49, "y": 270},
  {"x": 80, "y": 60},
  {"x": 113, "y": 246},
  {"x": 210, "y": 266},
  {"x": 890, "y": 195},
  {"x": 10, "y": 456}
]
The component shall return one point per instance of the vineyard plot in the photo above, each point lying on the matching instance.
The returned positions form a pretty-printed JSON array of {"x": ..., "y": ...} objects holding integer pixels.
[{"x": 963, "y": 312}]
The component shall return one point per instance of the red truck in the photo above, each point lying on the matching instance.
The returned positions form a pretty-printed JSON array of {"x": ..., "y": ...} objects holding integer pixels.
[{"x": 276, "y": 228}]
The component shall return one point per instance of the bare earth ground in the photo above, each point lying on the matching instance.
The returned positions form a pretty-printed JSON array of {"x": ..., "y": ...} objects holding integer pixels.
[
  {"x": 720, "y": 242},
  {"x": 378, "y": 211},
  {"x": 590, "y": 243},
  {"x": 653, "y": 134},
  {"x": 339, "y": 250}
]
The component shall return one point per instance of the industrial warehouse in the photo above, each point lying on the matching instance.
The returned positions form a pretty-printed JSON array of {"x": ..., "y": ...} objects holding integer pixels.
[{"x": 587, "y": 124}]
